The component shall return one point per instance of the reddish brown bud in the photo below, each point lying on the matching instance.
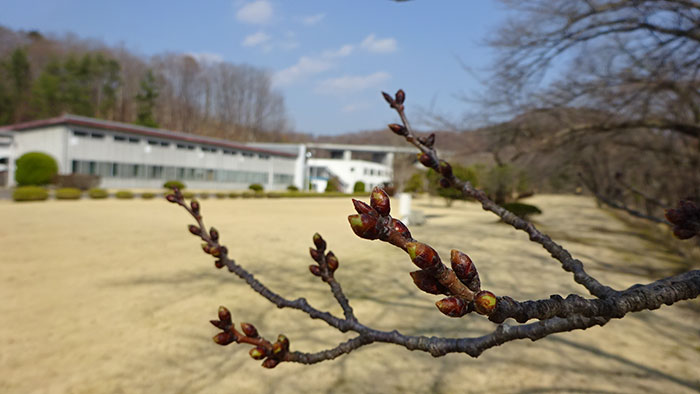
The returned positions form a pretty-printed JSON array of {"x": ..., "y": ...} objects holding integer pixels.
[
  {"x": 205, "y": 248},
  {"x": 400, "y": 96},
  {"x": 224, "y": 315},
  {"x": 444, "y": 183},
  {"x": 361, "y": 207},
  {"x": 379, "y": 200},
  {"x": 485, "y": 302},
  {"x": 315, "y": 270},
  {"x": 430, "y": 140},
  {"x": 194, "y": 230},
  {"x": 465, "y": 270},
  {"x": 683, "y": 233},
  {"x": 445, "y": 168},
  {"x": 218, "y": 324},
  {"x": 171, "y": 198},
  {"x": 319, "y": 242},
  {"x": 224, "y": 338},
  {"x": 398, "y": 129},
  {"x": 281, "y": 338},
  {"x": 194, "y": 204},
  {"x": 427, "y": 283},
  {"x": 453, "y": 306},
  {"x": 388, "y": 98},
  {"x": 365, "y": 226},
  {"x": 315, "y": 254},
  {"x": 422, "y": 255},
  {"x": 215, "y": 251},
  {"x": 674, "y": 216},
  {"x": 219, "y": 264},
  {"x": 213, "y": 234},
  {"x": 258, "y": 353},
  {"x": 270, "y": 363},
  {"x": 249, "y": 330},
  {"x": 426, "y": 160},
  {"x": 332, "y": 261},
  {"x": 401, "y": 228}
]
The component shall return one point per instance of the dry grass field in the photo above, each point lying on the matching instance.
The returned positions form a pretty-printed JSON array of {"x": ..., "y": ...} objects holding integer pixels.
[{"x": 115, "y": 296}]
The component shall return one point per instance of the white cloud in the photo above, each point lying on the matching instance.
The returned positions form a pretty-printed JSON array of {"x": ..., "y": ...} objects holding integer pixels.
[
  {"x": 352, "y": 83},
  {"x": 343, "y": 51},
  {"x": 383, "y": 45},
  {"x": 312, "y": 19},
  {"x": 257, "y": 12},
  {"x": 310, "y": 65},
  {"x": 256, "y": 39},
  {"x": 206, "y": 57}
]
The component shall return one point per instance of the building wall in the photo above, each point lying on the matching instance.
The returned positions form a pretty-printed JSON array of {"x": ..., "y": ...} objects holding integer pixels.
[
  {"x": 351, "y": 171},
  {"x": 49, "y": 140}
]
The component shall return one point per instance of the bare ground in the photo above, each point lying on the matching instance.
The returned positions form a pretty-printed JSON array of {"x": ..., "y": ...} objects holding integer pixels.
[{"x": 115, "y": 297}]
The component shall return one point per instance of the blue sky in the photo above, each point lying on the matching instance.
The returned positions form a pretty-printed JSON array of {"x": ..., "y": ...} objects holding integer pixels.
[{"x": 330, "y": 58}]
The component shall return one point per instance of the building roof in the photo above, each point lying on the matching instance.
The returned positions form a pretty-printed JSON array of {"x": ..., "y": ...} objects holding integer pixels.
[
  {"x": 76, "y": 120},
  {"x": 361, "y": 148}
]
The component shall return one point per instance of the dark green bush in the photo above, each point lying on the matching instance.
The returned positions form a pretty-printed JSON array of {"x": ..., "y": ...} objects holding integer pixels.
[
  {"x": 188, "y": 195},
  {"x": 148, "y": 195},
  {"x": 174, "y": 184},
  {"x": 522, "y": 210},
  {"x": 234, "y": 194},
  {"x": 35, "y": 168},
  {"x": 220, "y": 195},
  {"x": 98, "y": 193},
  {"x": 248, "y": 194},
  {"x": 68, "y": 193},
  {"x": 30, "y": 193},
  {"x": 203, "y": 195},
  {"x": 359, "y": 187},
  {"x": 124, "y": 194},
  {"x": 333, "y": 185},
  {"x": 256, "y": 187},
  {"x": 505, "y": 183},
  {"x": 451, "y": 194},
  {"x": 414, "y": 184},
  {"x": 277, "y": 194},
  {"x": 292, "y": 188}
]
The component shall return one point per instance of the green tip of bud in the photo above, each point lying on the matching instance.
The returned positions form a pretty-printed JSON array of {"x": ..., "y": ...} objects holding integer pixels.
[
  {"x": 411, "y": 249},
  {"x": 485, "y": 302},
  {"x": 223, "y": 338},
  {"x": 364, "y": 226},
  {"x": 224, "y": 315},
  {"x": 379, "y": 201},
  {"x": 453, "y": 306},
  {"x": 258, "y": 353}
]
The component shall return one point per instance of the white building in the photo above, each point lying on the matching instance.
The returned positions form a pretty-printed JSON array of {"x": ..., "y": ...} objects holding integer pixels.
[{"x": 130, "y": 156}]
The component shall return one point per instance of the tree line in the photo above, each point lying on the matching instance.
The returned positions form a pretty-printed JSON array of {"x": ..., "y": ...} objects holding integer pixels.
[{"x": 43, "y": 77}]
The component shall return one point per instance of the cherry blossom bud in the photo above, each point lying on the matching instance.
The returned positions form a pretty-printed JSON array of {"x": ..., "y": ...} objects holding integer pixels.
[
  {"x": 332, "y": 261},
  {"x": 365, "y": 226},
  {"x": 388, "y": 98},
  {"x": 171, "y": 198},
  {"x": 485, "y": 302},
  {"x": 214, "y": 234},
  {"x": 361, "y": 207},
  {"x": 270, "y": 363},
  {"x": 281, "y": 338},
  {"x": 224, "y": 338},
  {"x": 258, "y": 353},
  {"x": 422, "y": 255},
  {"x": 379, "y": 200},
  {"x": 219, "y": 264},
  {"x": 683, "y": 233},
  {"x": 398, "y": 129},
  {"x": 249, "y": 330},
  {"x": 315, "y": 270},
  {"x": 445, "y": 168},
  {"x": 427, "y": 283},
  {"x": 319, "y": 242},
  {"x": 400, "y": 96},
  {"x": 430, "y": 140},
  {"x": 444, "y": 183},
  {"x": 401, "y": 228},
  {"x": 218, "y": 324},
  {"x": 462, "y": 265},
  {"x": 205, "y": 248},
  {"x": 426, "y": 160},
  {"x": 315, "y": 254},
  {"x": 215, "y": 251},
  {"x": 224, "y": 315},
  {"x": 453, "y": 306},
  {"x": 194, "y": 204},
  {"x": 194, "y": 230}
]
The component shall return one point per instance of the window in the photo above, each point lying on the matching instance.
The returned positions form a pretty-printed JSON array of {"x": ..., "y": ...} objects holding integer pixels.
[
  {"x": 264, "y": 157},
  {"x": 80, "y": 133},
  {"x": 134, "y": 140},
  {"x": 247, "y": 154},
  {"x": 153, "y": 142},
  {"x": 119, "y": 138},
  {"x": 97, "y": 136},
  {"x": 164, "y": 144}
]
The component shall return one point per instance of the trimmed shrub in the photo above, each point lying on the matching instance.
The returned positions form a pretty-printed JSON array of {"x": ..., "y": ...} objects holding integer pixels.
[
  {"x": 35, "y": 168},
  {"x": 276, "y": 194},
  {"x": 203, "y": 195},
  {"x": 30, "y": 193},
  {"x": 174, "y": 184},
  {"x": 68, "y": 193},
  {"x": 256, "y": 187},
  {"x": 124, "y": 194},
  {"x": 220, "y": 195},
  {"x": 248, "y": 194},
  {"x": 359, "y": 187},
  {"x": 333, "y": 185},
  {"x": 148, "y": 195},
  {"x": 234, "y": 195},
  {"x": 415, "y": 183},
  {"x": 98, "y": 193},
  {"x": 292, "y": 188},
  {"x": 188, "y": 195},
  {"x": 522, "y": 210}
]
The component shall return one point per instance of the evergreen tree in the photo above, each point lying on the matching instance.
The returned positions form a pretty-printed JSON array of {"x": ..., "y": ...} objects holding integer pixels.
[
  {"x": 47, "y": 93},
  {"x": 14, "y": 93},
  {"x": 146, "y": 100}
]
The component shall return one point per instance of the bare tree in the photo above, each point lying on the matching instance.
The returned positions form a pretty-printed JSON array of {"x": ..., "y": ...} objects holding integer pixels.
[{"x": 460, "y": 283}]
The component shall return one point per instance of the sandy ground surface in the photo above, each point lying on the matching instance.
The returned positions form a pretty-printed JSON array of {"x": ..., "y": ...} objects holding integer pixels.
[{"x": 115, "y": 297}]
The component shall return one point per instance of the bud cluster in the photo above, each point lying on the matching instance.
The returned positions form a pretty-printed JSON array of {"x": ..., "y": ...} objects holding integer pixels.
[
  {"x": 395, "y": 102},
  {"x": 319, "y": 257},
  {"x": 685, "y": 219},
  {"x": 365, "y": 223}
]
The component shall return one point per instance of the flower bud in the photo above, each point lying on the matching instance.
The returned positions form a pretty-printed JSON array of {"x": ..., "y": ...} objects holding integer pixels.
[
  {"x": 379, "y": 200},
  {"x": 258, "y": 353},
  {"x": 463, "y": 266},
  {"x": 485, "y": 302},
  {"x": 215, "y": 251},
  {"x": 400, "y": 96},
  {"x": 219, "y": 264},
  {"x": 444, "y": 183},
  {"x": 223, "y": 251},
  {"x": 319, "y": 242},
  {"x": 401, "y": 228},
  {"x": 224, "y": 315},
  {"x": 194, "y": 204},
  {"x": 194, "y": 230},
  {"x": 213, "y": 234},
  {"x": 315, "y": 254},
  {"x": 365, "y": 226},
  {"x": 270, "y": 363},
  {"x": 683, "y": 233},
  {"x": 281, "y": 338},
  {"x": 218, "y": 324},
  {"x": 249, "y": 330},
  {"x": 445, "y": 168},
  {"x": 674, "y": 215},
  {"x": 315, "y": 270},
  {"x": 453, "y": 306},
  {"x": 388, "y": 98},
  {"x": 422, "y": 255},
  {"x": 205, "y": 248},
  {"x": 361, "y": 207},
  {"x": 430, "y": 140},
  {"x": 171, "y": 198},
  {"x": 426, "y": 160},
  {"x": 332, "y": 261},
  {"x": 224, "y": 338},
  {"x": 398, "y": 129},
  {"x": 427, "y": 283}
]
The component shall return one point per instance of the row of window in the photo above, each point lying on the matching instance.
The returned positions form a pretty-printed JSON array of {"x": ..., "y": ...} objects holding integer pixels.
[
  {"x": 165, "y": 144},
  {"x": 143, "y": 171}
]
